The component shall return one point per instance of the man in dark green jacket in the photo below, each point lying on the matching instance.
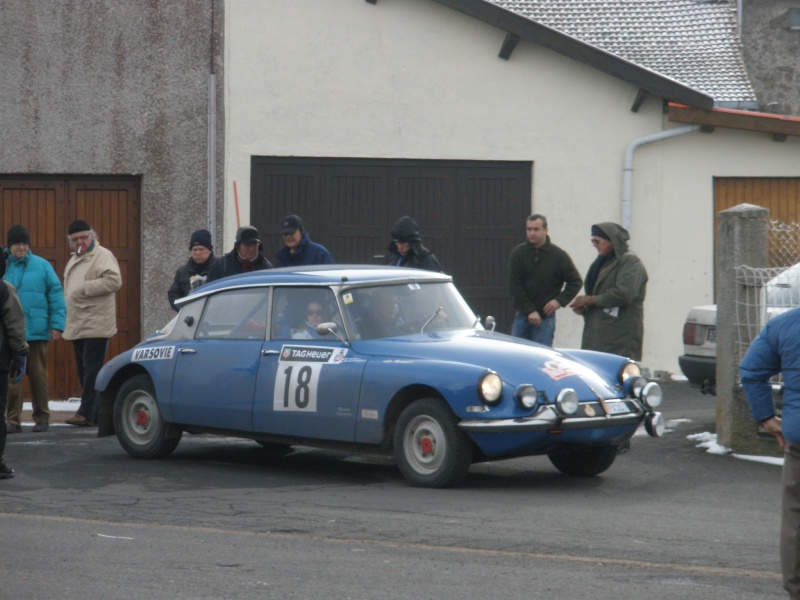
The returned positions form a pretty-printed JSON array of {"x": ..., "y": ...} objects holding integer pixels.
[
  {"x": 615, "y": 285},
  {"x": 542, "y": 278}
]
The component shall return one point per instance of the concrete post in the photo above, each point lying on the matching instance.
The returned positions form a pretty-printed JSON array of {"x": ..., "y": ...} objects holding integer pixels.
[{"x": 742, "y": 240}]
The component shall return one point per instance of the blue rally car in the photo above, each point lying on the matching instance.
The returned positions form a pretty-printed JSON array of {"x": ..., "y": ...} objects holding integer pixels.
[{"x": 374, "y": 359}]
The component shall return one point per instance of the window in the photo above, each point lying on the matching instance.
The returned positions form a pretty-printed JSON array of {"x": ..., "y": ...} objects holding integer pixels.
[
  {"x": 298, "y": 311},
  {"x": 235, "y": 315}
]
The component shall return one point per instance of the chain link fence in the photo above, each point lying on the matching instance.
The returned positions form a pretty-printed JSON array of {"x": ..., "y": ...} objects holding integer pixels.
[{"x": 765, "y": 292}]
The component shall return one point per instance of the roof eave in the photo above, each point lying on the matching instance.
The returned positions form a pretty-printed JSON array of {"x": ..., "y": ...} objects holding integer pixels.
[
  {"x": 587, "y": 54},
  {"x": 779, "y": 126}
]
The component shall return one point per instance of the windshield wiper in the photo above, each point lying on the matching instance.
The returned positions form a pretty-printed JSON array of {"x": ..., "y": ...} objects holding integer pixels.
[{"x": 433, "y": 316}]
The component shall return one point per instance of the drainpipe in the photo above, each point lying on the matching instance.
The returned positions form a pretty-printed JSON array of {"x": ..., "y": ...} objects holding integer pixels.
[
  {"x": 627, "y": 169},
  {"x": 211, "y": 203}
]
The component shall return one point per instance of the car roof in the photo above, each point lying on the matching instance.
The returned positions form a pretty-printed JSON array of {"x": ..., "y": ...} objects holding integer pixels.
[{"x": 321, "y": 275}]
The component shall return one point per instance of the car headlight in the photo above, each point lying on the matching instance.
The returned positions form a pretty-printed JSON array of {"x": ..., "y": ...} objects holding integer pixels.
[
  {"x": 527, "y": 396},
  {"x": 567, "y": 401},
  {"x": 628, "y": 370},
  {"x": 636, "y": 385},
  {"x": 651, "y": 395},
  {"x": 490, "y": 388}
]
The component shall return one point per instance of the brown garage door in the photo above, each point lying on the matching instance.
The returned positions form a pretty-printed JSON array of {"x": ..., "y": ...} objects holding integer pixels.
[
  {"x": 781, "y": 195},
  {"x": 471, "y": 213},
  {"x": 46, "y": 206}
]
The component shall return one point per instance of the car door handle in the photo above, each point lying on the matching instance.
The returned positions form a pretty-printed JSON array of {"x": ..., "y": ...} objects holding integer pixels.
[
  {"x": 187, "y": 351},
  {"x": 269, "y": 352}
]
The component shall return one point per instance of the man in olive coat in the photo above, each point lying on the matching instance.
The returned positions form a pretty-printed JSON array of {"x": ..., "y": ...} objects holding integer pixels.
[{"x": 615, "y": 285}]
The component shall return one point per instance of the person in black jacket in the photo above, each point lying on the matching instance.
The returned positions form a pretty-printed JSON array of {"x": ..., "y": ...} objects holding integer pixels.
[
  {"x": 245, "y": 257},
  {"x": 193, "y": 273},
  {"x": 406, "y": 249},
  {"x": 541, "y": 278}
]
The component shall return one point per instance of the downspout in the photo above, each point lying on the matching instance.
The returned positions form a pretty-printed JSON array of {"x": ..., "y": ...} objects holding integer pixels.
[
  {"x": 627, "y": 169},
  {"x": 211, "y": 216}
]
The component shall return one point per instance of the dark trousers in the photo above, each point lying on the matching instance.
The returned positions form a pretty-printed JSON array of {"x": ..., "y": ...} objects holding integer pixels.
[
  {"x": 3, "y": 402},
  {"x": 90, "y": 353}
]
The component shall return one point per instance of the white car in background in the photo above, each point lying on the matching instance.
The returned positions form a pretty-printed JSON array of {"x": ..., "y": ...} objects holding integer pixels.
[{"x": 699, "y": 361}]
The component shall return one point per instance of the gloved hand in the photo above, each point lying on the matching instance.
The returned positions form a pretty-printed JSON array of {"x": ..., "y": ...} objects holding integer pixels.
[{"x": 18, "y": 365}]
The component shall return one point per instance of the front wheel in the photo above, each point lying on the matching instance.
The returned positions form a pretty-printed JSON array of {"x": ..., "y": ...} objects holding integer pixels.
[
  {"x": 584, "y": 463},
  {"x": 137, "y": 420},
  {"x": 429, "y": 449}
]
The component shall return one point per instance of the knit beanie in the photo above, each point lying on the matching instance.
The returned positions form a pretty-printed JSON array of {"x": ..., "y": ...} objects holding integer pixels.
[
  {"x": 597, "y": 232},
  {"x": 201, "y": 237},
  {"x": 17, "y": 234},
  {"x": 77, "y": 226}
]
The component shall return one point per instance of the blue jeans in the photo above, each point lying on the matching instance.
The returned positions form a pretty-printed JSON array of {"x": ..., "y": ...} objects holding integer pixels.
[{"x": 543, "y": 334}]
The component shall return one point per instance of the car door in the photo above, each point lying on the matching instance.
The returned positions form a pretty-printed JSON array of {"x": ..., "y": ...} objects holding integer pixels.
[
  {"x": 307, "y": 385},
  {"x": 216, "y": 371}
]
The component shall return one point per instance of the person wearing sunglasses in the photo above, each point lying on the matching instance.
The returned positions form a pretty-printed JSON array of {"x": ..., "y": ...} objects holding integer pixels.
[
  {"x": 615, "y": 286},
  {"x": 314, "y": 315}
]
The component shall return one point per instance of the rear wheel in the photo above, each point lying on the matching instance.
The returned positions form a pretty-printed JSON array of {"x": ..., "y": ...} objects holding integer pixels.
[
  {"x": 429, "y": 448},
  {"x": 586, "y": 462},
  {"x": 137, "y": 420}
]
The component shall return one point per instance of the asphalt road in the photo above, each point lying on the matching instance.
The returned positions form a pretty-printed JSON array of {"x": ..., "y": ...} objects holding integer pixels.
[{"x": 224, "y": 518}]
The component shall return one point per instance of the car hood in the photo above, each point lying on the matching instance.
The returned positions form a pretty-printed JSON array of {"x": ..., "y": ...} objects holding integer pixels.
[{"x": 517, "y": 361}]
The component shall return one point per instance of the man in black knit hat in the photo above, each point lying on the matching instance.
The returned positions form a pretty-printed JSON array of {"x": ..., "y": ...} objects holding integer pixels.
[{"x": 193, "y": 274}]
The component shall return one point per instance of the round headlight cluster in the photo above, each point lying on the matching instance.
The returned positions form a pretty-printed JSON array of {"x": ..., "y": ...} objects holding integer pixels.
[
  {"x": 628, "y": 370},
  {"x": 567, "y": 401},
  {"x": 490, "y": 387},
  {"x": 651, "y": 395},
  {"x": 527, "y": 395}
]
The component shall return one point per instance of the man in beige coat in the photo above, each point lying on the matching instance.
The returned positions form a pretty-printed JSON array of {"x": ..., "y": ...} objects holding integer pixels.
[{"x": 91, "y": 278}]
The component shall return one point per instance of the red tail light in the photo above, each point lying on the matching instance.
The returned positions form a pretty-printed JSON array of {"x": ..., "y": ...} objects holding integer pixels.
[{"x": 693, "y": 334}]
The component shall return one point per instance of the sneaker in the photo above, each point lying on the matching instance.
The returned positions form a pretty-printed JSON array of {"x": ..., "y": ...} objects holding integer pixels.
[
  {"x": 11, "y": 428},
  {"x": 6, "y": 472},
  {"x": 41, "y": 427},
  {"x": 78, "y": 420}
]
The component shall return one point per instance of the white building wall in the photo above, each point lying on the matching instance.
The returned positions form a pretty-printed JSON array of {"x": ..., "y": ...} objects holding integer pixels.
[{"x": 413, "y": 79}]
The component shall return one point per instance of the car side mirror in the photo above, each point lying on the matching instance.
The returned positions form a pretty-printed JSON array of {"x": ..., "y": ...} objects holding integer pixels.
[
  {"x": 490, "y": 323},
  {"x": 329, "y": 327}
]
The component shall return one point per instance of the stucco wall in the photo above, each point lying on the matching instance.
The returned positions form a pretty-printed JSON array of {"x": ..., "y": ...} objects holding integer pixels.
[
  {"x": 771, "y": 52},
  {"x": 104, "y": 87},
  {"x": 410, "y": 78}
]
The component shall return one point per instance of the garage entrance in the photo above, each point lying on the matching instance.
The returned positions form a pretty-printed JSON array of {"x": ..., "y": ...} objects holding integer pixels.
[
  {"x": 471, "y": 213},
  {"x": 46, "y": 206}
]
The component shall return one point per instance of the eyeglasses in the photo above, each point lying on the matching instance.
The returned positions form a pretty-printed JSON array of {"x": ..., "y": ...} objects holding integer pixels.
[
  {"x": 80, "y": 238},
  {"x": 596, "y": 241},
  {"x": 318, "y": 312}
]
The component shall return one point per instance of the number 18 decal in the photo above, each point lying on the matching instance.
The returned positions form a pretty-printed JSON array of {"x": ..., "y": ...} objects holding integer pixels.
[{"x": 297, "y": 379}]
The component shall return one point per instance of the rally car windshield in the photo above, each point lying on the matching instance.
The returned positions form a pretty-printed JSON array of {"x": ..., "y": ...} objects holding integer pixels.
[{"x": 403, "y": 309}]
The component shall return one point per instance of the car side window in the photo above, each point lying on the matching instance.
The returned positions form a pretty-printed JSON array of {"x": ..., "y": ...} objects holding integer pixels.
[
  {"x": 235, "y": 315},
  {"x": 297, "y": 312}
]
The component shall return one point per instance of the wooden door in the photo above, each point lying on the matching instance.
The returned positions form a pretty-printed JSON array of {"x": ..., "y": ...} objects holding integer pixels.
[{"x": 46, "y": 206}]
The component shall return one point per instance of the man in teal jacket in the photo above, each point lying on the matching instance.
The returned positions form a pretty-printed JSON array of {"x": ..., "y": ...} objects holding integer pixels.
[{"x": 42, "y": 300}]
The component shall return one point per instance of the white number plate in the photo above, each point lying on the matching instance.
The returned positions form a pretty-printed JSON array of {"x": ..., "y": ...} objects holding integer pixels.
[{"x": 617, "y": 408}]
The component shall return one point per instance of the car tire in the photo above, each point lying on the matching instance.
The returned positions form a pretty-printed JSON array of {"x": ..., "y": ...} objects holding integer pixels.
[
  {"x": 137, "y": 421},
  {"x": 584, "y": 463},
  {"x": 429, "y": 448}
]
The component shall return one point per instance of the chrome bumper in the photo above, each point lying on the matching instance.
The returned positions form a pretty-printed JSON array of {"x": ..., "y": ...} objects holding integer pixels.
[{"x": 547, "y": 419}]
